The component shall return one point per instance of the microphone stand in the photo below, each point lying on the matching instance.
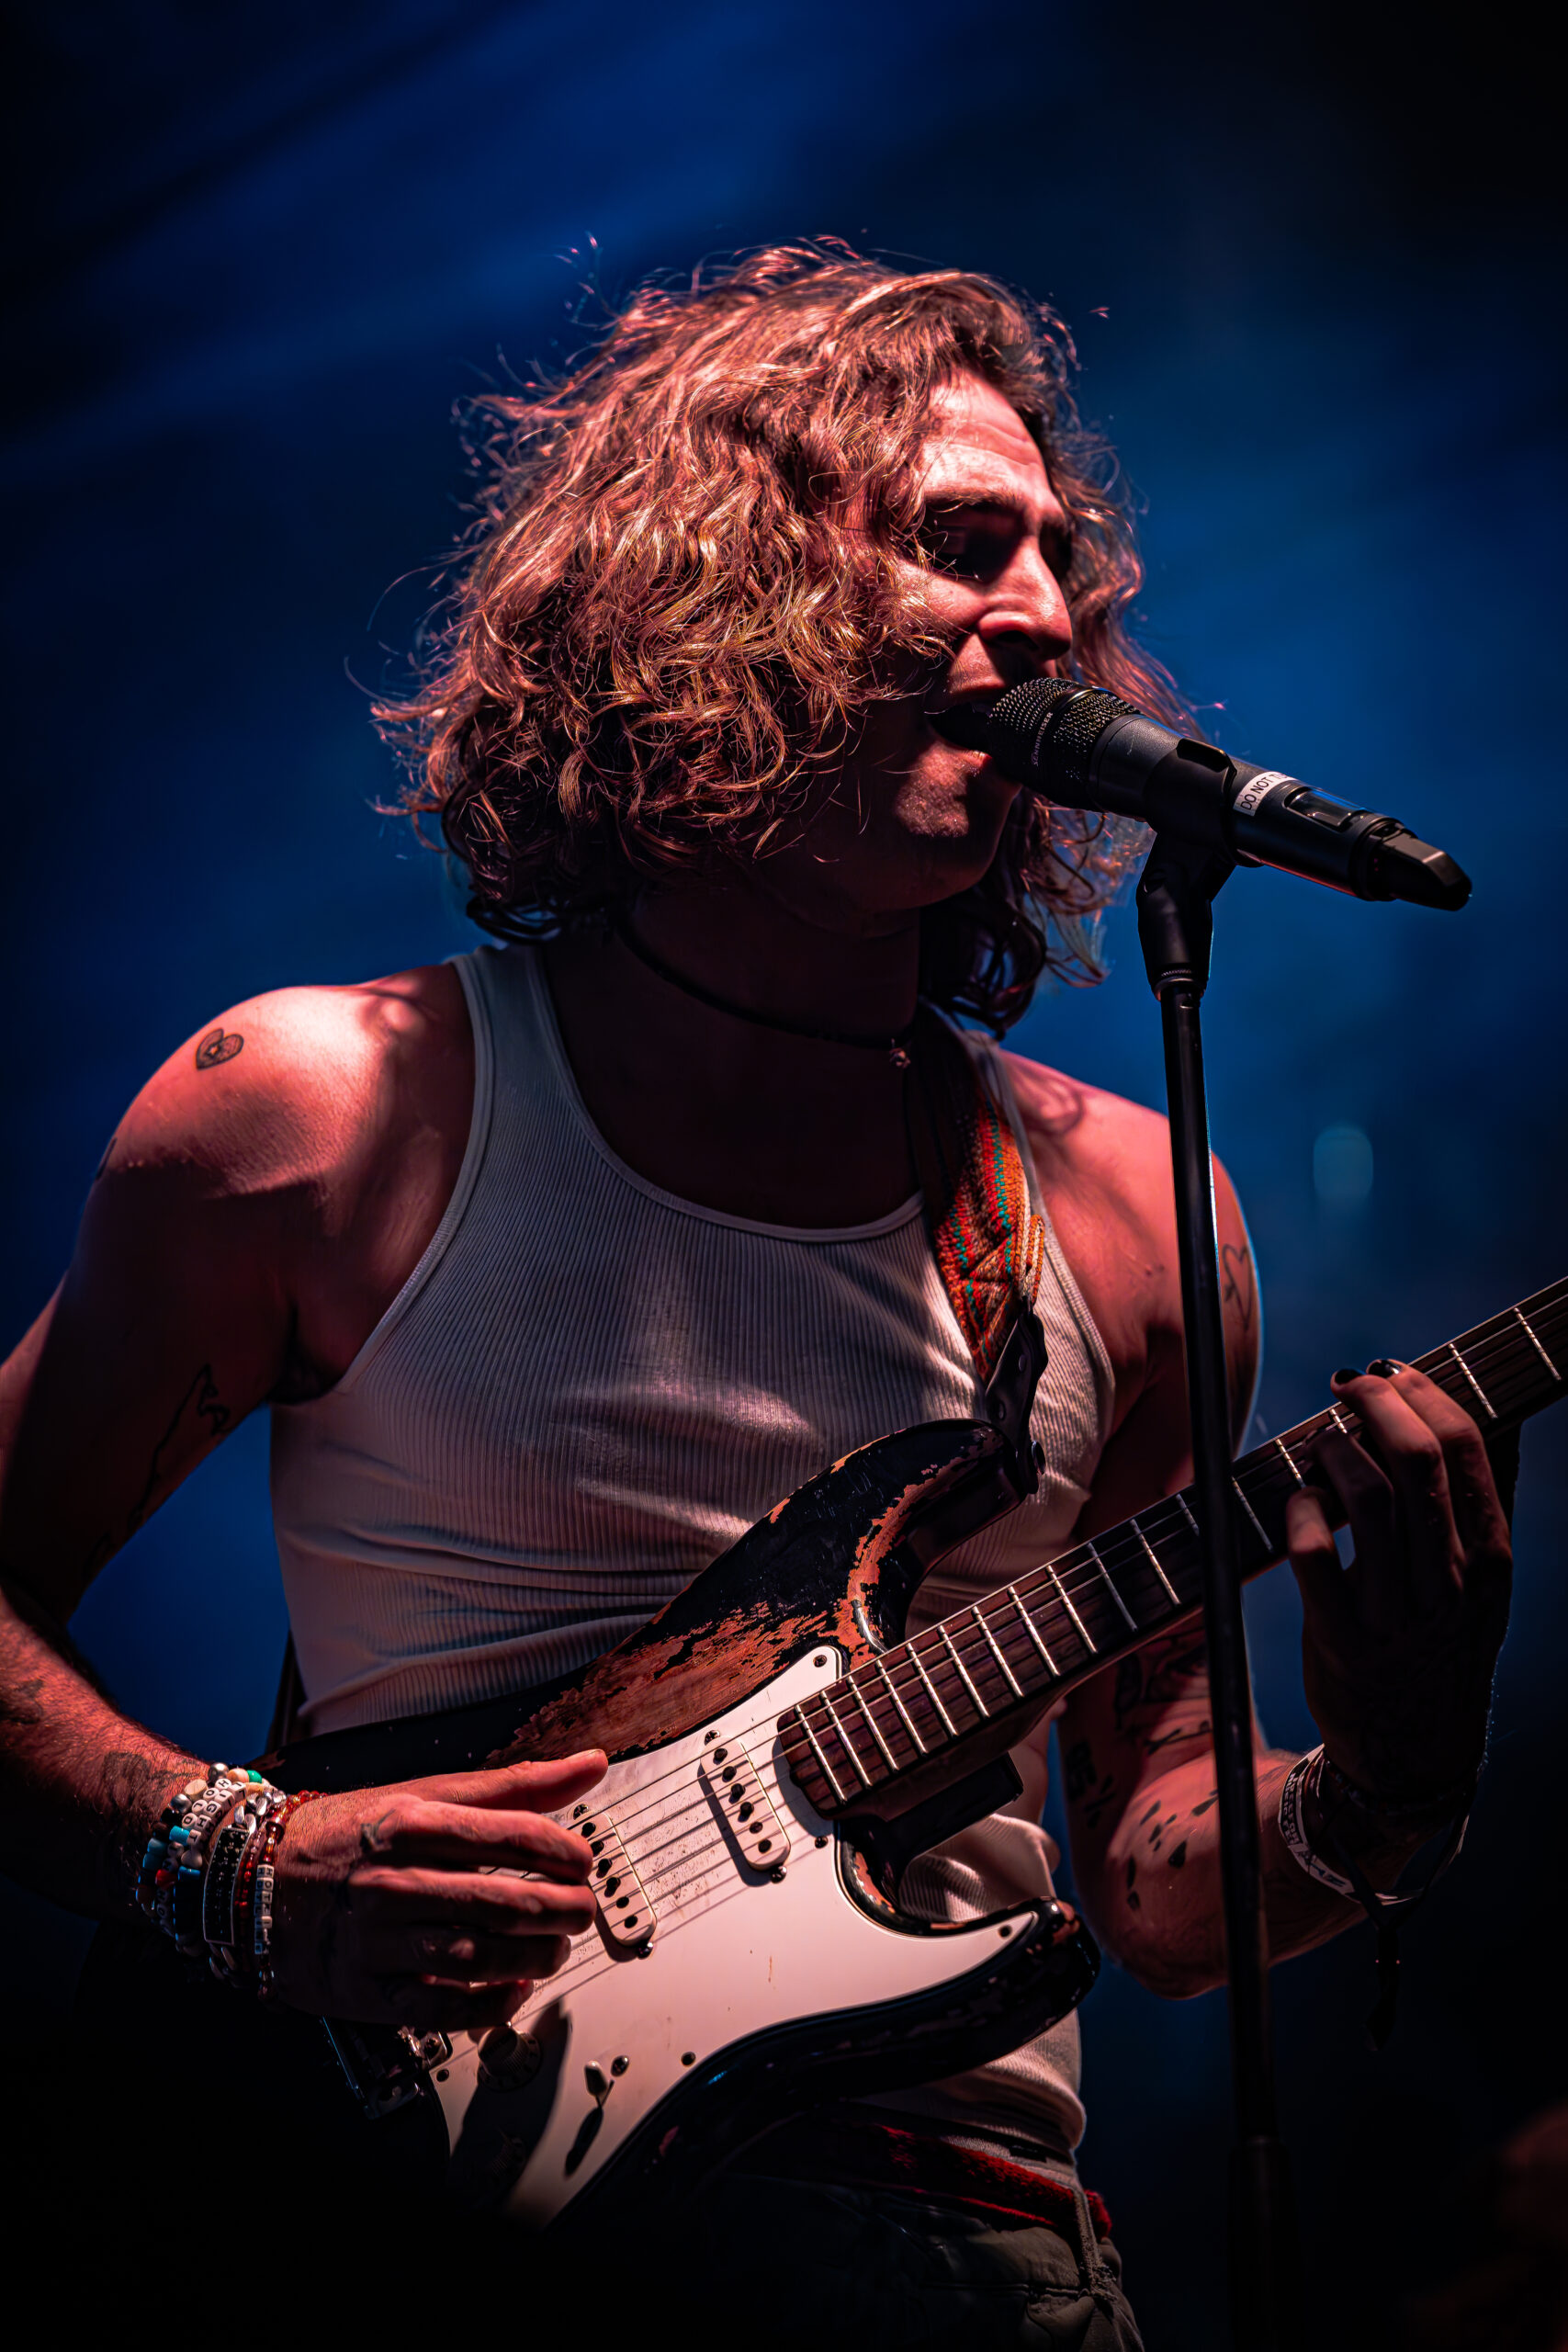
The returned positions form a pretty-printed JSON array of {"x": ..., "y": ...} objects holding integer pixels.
[{"x": 1176, "y": 931}]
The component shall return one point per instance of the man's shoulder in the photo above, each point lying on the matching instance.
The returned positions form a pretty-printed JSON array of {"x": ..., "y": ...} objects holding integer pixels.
[
  {"x": 1104, "y": 1168},
  {"x": 1103, "y": 1165},
  {"x": 1084, "y": 1138},
  {"x": 296, "y": 1078}
]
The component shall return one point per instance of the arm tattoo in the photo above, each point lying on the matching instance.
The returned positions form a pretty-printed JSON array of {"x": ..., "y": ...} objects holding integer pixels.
[
  {"x": 20, "y": 1706},
  {"x": 1240, "y": 1282},
  {"x": 217, "y": 1045},
  {"x": 134, "y": 1786},
  {"x": 1087, "y": 1790},
  {"x": 1152, "y": 1680},
  {"x": 199, "y": 1417}
]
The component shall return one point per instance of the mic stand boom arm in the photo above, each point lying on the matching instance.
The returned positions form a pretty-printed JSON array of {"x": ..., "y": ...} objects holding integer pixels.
[{"x": 1176, "y": 929}]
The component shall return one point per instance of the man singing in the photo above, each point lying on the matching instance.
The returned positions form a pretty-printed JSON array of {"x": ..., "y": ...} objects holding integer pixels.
[{"x": 560, "y": 1264}]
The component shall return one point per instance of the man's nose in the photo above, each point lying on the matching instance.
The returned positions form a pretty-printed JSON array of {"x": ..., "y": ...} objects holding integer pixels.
[{"x": 1027, "y": 603}]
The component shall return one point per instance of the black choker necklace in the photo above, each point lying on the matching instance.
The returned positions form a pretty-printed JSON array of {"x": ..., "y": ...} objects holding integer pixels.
[{"x": 895, "y": 1046}]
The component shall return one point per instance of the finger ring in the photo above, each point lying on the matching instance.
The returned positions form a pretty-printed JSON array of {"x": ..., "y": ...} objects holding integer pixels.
[{"x": 440, "y": 1946}]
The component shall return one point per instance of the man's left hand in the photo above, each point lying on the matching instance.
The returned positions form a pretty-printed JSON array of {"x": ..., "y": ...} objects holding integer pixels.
[{"x": 1398, "y": 1648}]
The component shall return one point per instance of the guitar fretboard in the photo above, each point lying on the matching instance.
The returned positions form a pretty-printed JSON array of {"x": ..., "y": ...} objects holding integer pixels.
[{"x": 1011, "y": 1654}]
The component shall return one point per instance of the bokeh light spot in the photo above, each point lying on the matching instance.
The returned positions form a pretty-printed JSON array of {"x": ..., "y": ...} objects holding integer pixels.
[{"x": 1342, "y": 1167}]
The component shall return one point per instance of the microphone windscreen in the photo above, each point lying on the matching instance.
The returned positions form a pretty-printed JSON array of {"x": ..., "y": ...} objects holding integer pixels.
[{"x": 1043, "y": 732}]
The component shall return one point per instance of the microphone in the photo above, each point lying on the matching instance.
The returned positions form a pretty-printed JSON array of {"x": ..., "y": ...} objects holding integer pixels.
[{"x": 1086, "y": 748}]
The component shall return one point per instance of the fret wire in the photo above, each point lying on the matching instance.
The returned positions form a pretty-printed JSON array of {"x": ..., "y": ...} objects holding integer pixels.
[
  {"x": 962, "y": 1672},
  {"x": 1029, "y": 1628},
  {"x": 1134, "y": 1527},
  {"x": 996, "y": 1652},
  {"x": 1252, "y": 1515},
  {"x": 1134, "y": 1533},
  {"x": 1078, "y": 1621},
  {"x": 844, "y": 1740},
  {"x": 1187, "y": 1513},
  {"x": 1476, "y": 1384},
  {"x": 1546, "y": 1309},
  {"x": 1071, "y": 1587},
  {"x": 1498, "y": 1339},
  {"x": 1490, "y": 1344},
  {"x": 832, "y": 1777},
  {"x": 1132, "y": 1624},
  {"x": 1512, "y": 1347},
  {"x": 903, "y": 1710},
  {"x": 1260, "y": 1468},
  {"x": 1284, "y": 1452},
  {"x": 1477, "y": 1346},
  {"x": 1136, "y": 1524},
  {"x": 931, "y": 1686},
  {"x": 863, "y": 1705},
  {"x": 1535, "y": 1344}
]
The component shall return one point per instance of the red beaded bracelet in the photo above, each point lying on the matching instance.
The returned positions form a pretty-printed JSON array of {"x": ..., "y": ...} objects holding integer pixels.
[{"x": 261, "y": 1945}]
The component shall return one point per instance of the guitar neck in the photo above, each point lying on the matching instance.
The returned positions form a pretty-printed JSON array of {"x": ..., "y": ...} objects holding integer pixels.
[{"x": 923, "y": 1713}]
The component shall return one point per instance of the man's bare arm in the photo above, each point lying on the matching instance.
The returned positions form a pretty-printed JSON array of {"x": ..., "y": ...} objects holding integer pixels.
[
  {"x": 1399, "y": 1651},
  {"x": 173, "y": 1322},
  {"x": 265, "y": 1198},
  {"x": 1139, "y": 1778}
]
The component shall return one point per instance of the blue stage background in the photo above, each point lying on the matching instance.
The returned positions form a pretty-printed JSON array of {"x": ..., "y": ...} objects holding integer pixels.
[{"x": 254, "y": 262}]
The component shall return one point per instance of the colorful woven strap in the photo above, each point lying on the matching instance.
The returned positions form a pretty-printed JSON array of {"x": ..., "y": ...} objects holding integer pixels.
[{"x": 989, "y": 1242}]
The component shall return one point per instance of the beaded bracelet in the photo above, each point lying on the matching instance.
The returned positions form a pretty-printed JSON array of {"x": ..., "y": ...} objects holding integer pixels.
[
  {"x": 261, "y": 1942},
  {"x": 202, "y": 1827},
  {"x": 178, "y": 1839},
  {"x": 157, "y": 1874},
  {"x": 218, "y": 1887},
  {"x": 240, "y": 1949},
  {"x": 194, "y": 1839},
  {"x": 233, "y": 1854}
]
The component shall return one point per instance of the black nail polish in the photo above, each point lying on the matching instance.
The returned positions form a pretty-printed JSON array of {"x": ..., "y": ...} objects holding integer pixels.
[
  {"x": 1346, "y": 1372},
  {"x": 1383, "y": 1367}
]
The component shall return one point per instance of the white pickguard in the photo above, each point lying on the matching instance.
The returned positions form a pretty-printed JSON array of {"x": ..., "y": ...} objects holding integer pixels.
[{"x": 735, "y": 1951}]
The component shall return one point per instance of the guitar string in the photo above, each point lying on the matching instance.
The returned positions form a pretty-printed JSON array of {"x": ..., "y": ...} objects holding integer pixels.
[
  {"x": 1118, "y": 1549},
  {"x": 1079, "y": 1573},
  {"x": 669, "y": 1883},
  {"x": 1161, "y": 1517},
  {"x": 1078, "y": 1577},
  {"x": 702, "y": 1857}
]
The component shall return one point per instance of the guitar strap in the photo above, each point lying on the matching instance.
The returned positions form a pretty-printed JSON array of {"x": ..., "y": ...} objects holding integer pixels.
[{"x": 989, "y": 1242}]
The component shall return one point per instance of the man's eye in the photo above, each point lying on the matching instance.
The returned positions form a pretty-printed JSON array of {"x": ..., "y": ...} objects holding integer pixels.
[{"x": 966, "y": 547}]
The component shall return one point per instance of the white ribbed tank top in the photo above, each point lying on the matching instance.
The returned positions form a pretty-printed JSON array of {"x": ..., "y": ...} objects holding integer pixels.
[{"x": 587, "y": 1389}]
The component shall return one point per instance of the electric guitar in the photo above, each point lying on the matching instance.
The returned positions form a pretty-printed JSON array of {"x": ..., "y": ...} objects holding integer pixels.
[{"x": 779, "y": 1752}]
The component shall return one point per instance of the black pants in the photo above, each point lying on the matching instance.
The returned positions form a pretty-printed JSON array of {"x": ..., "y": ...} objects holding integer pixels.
[{"x": 777, "y": 2261}]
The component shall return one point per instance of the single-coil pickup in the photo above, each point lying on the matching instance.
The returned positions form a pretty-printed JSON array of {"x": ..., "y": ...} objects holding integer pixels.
[
  {"x": 624, "y": 1906},
  {"x": 735, "y": 1786}
]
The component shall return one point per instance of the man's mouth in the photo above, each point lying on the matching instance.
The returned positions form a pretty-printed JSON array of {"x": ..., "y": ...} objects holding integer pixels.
[{"x": 961, "y": 719}]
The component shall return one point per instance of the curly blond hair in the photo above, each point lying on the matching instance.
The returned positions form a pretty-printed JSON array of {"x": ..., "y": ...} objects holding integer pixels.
[{"x": 683, "y": 589}]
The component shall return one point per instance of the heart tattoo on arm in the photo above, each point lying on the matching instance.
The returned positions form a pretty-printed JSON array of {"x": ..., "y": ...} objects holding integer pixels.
[{"x": 217, "y": 1045}]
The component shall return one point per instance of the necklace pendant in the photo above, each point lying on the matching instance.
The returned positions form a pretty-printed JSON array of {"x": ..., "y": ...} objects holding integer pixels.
[{"x": 899, "y": 1057}]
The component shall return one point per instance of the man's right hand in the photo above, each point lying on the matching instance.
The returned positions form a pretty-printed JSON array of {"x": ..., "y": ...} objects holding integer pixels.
[{"x": 403, "y": 1904}]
